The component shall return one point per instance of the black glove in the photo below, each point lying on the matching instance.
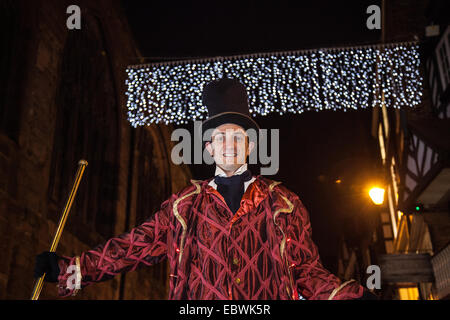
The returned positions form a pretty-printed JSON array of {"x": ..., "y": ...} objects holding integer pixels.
[{"x": 47, "y": 262}]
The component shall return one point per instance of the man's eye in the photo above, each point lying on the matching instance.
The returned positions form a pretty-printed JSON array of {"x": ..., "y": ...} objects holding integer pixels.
[
  {"x": 218, "y": 138},
  {"x": 239, "y": 138}
]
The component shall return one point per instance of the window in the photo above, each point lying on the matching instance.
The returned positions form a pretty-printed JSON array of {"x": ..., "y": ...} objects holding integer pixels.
[
  {"x": 152, "y": 189},
  {"x": 408, "y": 293},
  {"x": 87, "y": 128},
  {"x": 153, "y": 184}
]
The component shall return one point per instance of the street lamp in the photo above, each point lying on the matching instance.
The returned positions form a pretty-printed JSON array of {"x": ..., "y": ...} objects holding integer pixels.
[{"x": 377, "y": 195}]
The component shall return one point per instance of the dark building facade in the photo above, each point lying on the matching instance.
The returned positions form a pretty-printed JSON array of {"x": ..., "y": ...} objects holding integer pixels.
[
  {"x": 62, "y": 100},
  {"x": 411, "y": 242}
]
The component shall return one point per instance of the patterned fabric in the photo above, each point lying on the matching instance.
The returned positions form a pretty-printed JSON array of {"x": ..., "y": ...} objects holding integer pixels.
[{"x": 264, "y": 251}]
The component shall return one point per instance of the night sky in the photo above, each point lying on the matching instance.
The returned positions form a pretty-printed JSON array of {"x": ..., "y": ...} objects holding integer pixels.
[{"x": 316, "y": 148}]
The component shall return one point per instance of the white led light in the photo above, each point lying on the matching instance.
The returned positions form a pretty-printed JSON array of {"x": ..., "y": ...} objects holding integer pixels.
[{"x": 333, "y": 79}]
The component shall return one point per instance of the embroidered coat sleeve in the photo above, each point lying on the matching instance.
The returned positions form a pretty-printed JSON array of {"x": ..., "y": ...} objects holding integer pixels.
[
  {"x": 310, "y": 278},
  {"x": 144, "y": 245}
]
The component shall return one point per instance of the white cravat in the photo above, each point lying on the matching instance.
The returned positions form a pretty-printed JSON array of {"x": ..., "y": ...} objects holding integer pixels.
[{"x": 221, "y": 173}]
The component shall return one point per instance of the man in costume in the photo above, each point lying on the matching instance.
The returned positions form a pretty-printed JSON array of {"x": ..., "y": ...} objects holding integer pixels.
[{"x": 235, "y": 236}]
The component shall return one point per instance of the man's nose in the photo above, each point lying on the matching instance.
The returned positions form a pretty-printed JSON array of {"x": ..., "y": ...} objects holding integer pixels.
[{"x": 230, "y": 144}]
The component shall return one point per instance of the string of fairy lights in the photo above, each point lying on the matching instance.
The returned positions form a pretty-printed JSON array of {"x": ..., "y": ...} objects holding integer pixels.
[{"x": 288, "y": 82}]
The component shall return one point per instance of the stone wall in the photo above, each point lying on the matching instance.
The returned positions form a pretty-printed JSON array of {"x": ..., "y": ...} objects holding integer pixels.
[{"x": 28, "y": 154}]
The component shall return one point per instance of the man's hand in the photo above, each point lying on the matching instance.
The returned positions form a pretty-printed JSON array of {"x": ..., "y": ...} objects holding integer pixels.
[{"x": 47, "y": 262}]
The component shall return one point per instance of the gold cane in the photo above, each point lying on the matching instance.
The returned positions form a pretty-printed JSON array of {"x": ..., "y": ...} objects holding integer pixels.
[{"x": 62, "y": 221}]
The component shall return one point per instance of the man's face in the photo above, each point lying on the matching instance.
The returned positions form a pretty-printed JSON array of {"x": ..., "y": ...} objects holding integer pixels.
[{"x": 229, "y": 147}]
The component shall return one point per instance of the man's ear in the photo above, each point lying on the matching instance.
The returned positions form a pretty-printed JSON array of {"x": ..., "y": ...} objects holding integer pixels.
[{"x": 209, "y": 147}]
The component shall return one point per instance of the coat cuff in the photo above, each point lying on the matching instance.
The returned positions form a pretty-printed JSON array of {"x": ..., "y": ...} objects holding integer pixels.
[{"x": 69, "y": 279}]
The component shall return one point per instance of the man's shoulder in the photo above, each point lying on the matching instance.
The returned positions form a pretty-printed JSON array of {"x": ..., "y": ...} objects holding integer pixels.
[
  {"x": 194, "y": 187},
  {"x": 277, "y": 187}
]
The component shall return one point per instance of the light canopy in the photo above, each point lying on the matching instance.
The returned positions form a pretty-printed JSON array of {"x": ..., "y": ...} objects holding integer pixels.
[{"x": 286, "y": 82}]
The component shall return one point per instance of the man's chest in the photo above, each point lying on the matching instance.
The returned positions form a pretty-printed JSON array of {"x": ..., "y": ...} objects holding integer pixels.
[{"x": 214, "y": 228}]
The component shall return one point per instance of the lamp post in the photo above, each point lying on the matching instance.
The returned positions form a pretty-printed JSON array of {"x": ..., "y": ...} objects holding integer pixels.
[{"x": 377, "y": 195}]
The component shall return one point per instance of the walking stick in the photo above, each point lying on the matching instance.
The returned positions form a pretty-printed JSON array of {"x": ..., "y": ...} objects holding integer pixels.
[{"x": 62, "y": 221}]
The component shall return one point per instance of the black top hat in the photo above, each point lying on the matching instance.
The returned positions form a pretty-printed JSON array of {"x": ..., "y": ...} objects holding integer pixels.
[{"x": 227, "y": 102}]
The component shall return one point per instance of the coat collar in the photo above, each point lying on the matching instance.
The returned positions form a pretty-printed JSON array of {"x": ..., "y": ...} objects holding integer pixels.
[
  {"x": 221, "y": 173},
  {"x": 256, "y": 192}
]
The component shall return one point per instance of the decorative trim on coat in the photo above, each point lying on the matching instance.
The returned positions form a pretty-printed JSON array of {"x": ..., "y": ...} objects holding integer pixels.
[{"x": 180, "y": 218}]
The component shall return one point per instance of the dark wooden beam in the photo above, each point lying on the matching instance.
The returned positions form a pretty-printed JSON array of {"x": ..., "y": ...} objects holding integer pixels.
[{"x": 397, "y": 268}]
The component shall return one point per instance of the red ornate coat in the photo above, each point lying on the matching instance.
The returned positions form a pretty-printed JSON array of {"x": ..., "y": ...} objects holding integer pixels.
[{"x": 264, "y": 251}]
